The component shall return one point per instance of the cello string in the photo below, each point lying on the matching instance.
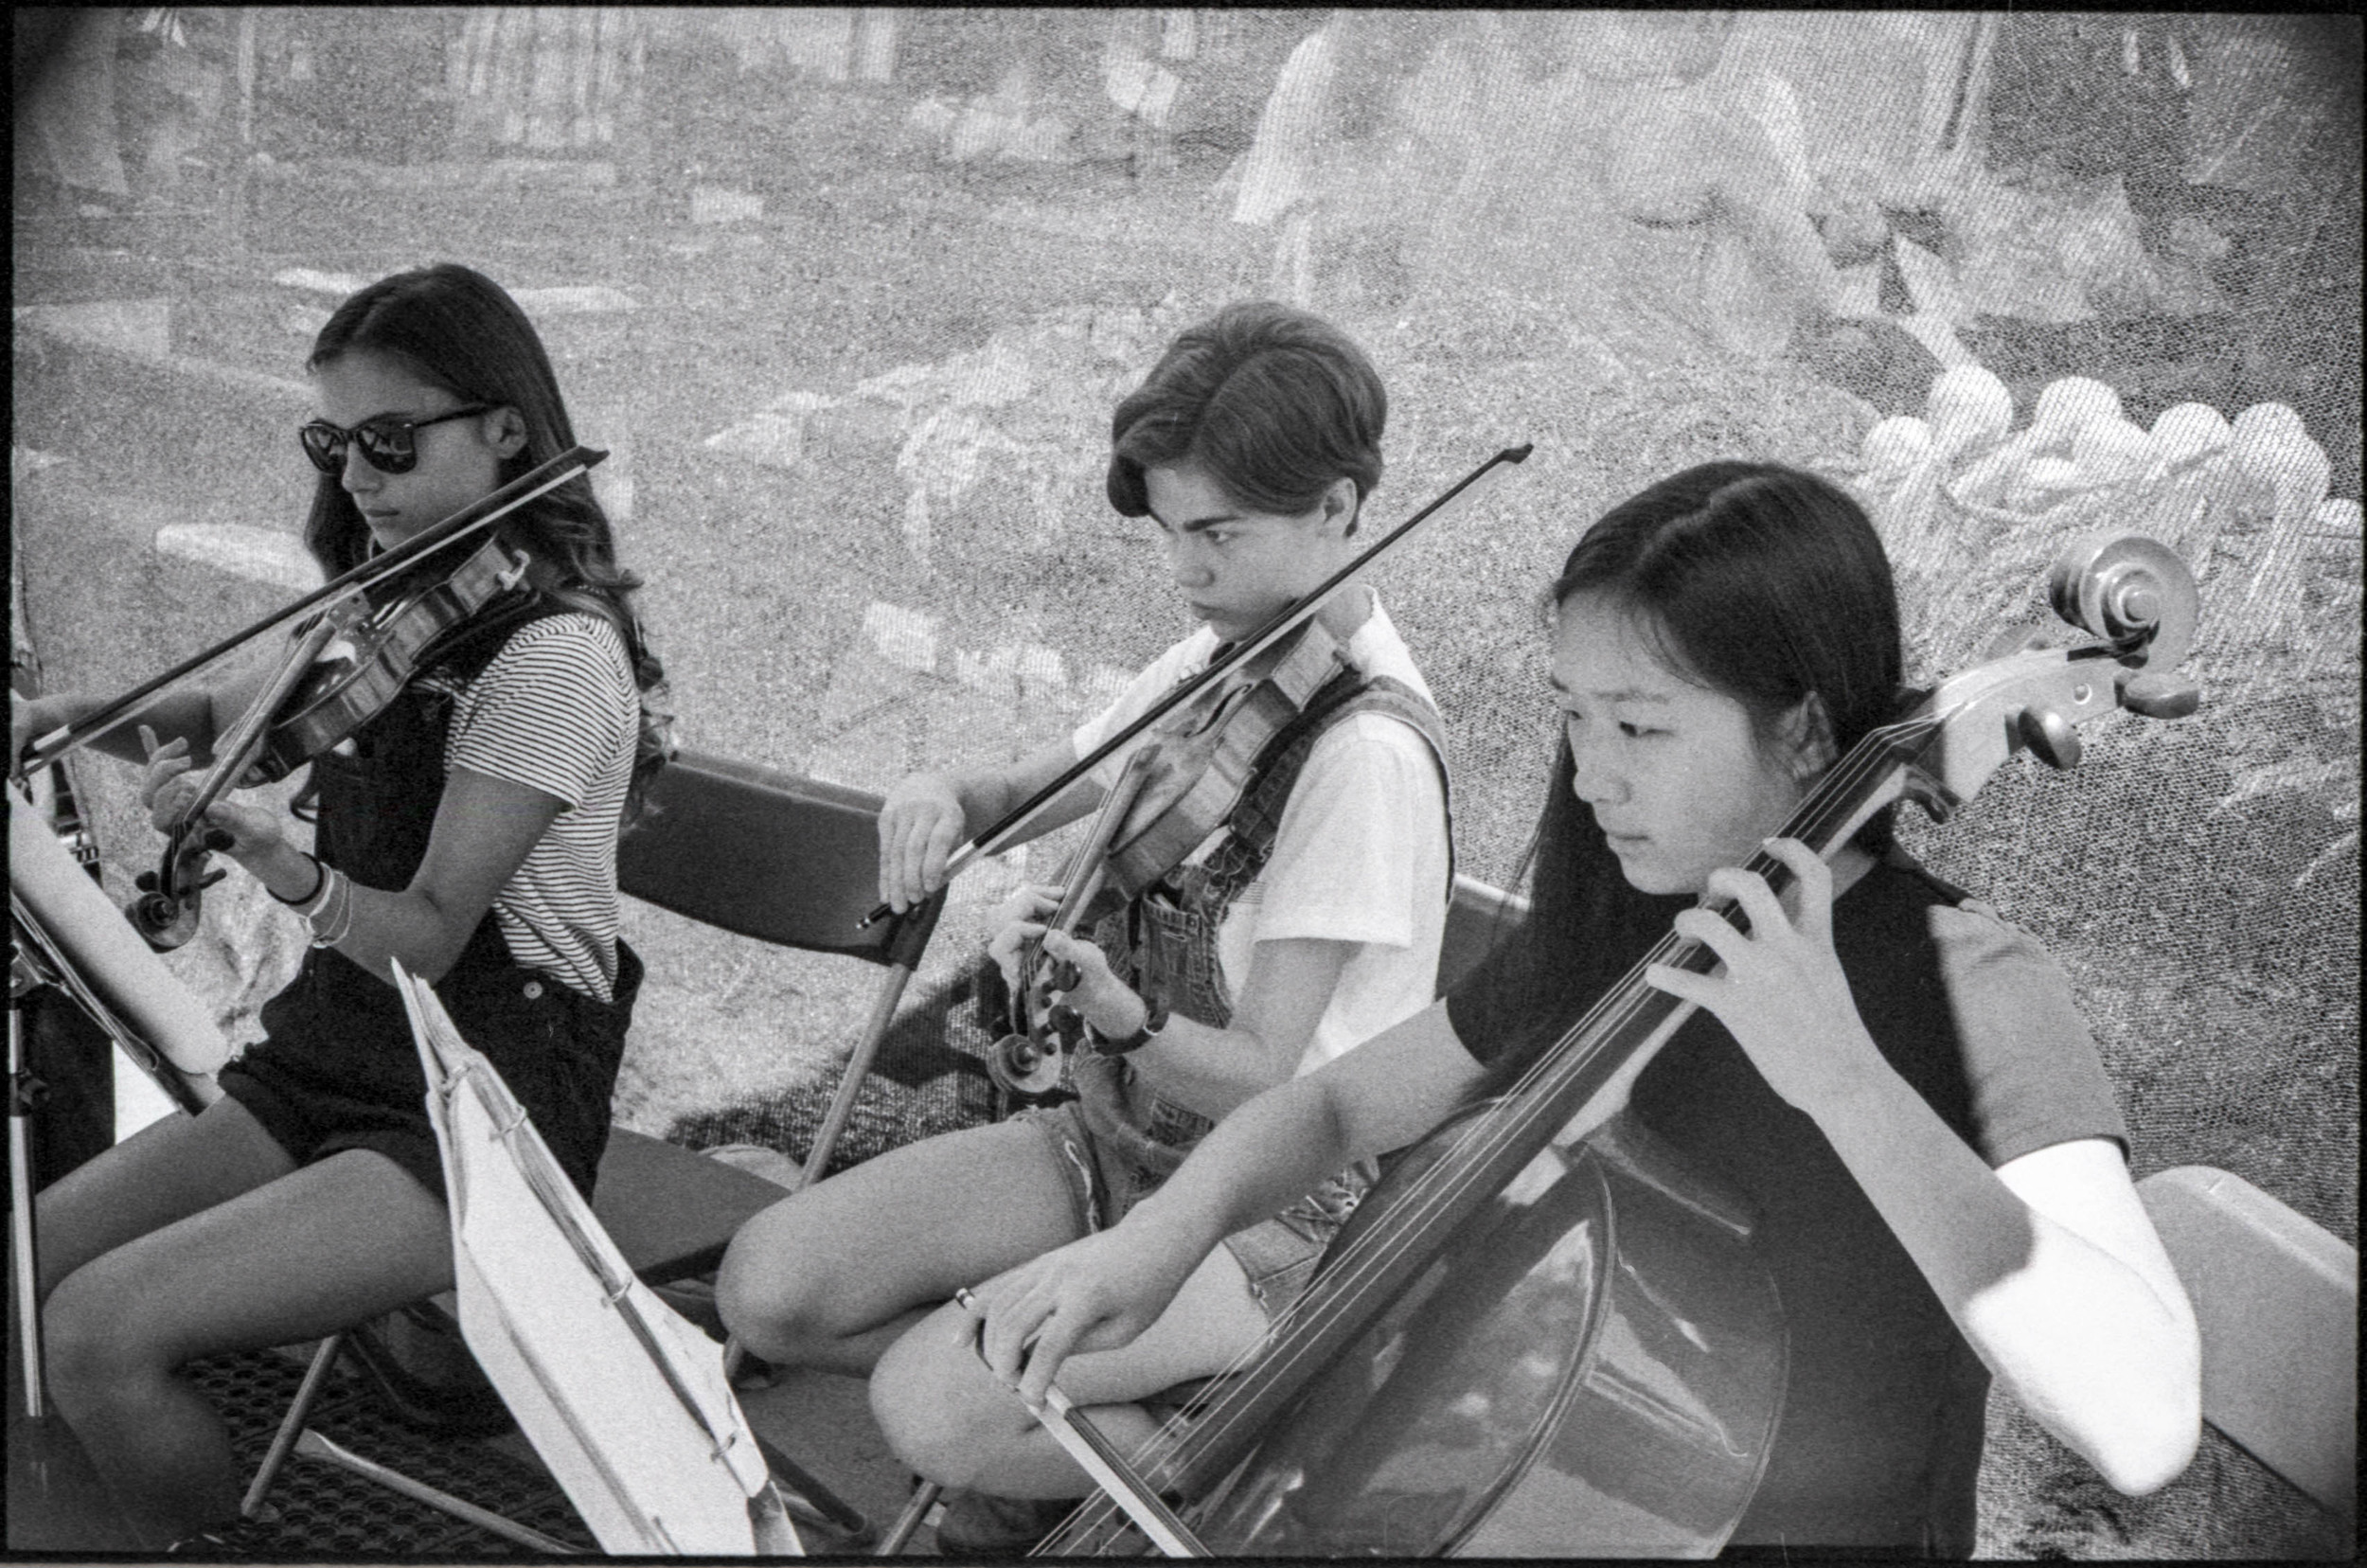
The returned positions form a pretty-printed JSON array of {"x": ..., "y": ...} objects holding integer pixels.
[{"x": 1845, "y": 790}]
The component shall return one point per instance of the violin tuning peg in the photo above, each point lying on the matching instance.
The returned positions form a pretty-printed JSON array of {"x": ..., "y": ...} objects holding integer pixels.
[
  {"x": 145, "y": 882},
  {"x": 208, "y": 881},
  {"x": 217, "y": 840},
  {"x": 2050, "y": 735}
]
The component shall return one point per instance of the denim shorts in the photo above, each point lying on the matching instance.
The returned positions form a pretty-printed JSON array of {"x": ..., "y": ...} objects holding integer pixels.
[{"x": 1278, "y": 1255}]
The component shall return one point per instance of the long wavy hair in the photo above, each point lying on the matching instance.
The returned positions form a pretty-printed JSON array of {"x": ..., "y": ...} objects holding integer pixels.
[
  {"x": 1758, "y": 582},
  {"x": 456, "y": 329}
]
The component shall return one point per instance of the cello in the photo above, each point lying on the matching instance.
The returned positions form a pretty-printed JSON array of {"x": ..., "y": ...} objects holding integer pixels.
[{"x": 1541, "y": 1333}]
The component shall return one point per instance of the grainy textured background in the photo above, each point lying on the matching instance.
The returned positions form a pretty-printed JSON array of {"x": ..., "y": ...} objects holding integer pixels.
[{"x": 848, "y": 297}]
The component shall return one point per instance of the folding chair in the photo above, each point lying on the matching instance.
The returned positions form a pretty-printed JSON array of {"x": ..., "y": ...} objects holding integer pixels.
[
  {"x": 1479, "y": 916},
  {"x": 786, "y": 860},
  {"x": 2276, "y": 1300},
  {"x": 760, "y": 853}
]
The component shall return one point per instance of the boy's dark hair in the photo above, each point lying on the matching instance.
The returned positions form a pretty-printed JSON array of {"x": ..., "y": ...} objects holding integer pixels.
[{"x": 1275, "y": 403}]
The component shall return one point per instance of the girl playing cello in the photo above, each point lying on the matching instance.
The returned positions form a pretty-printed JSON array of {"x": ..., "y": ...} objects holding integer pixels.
[
  {"x": 1309, "y": 918},
  {"x": 1892, "y": 1075},
  {"x": 468, "y": 831}
]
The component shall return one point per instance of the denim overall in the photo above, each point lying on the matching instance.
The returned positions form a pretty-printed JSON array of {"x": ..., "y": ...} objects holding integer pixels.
[
  {"x": 1164, "y": 944},
  {"x": 338, "y": 1068}
]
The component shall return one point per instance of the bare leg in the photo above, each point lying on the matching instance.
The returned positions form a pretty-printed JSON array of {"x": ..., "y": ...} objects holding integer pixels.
[
  {"x": 318, "y": 1250},
  {"x": 167, "y": 1171},
  {"x": 947, "y": 1417},
  {"x": 833, "y": 1275}
]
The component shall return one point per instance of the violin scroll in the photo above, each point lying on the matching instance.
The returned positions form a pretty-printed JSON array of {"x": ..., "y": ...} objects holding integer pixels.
[
  {"x": 2130, "y": 591},
  {"x": 166, "y": 912}
]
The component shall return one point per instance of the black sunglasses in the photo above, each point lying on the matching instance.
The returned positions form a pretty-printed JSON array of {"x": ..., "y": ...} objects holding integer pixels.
[{"x": 386, "y": 444}]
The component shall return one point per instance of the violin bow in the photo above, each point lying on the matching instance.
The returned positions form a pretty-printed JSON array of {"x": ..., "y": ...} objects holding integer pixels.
[
  {"x": 1020, "y": 818},
  {"x": 480, "y": 513},
  {"x": 1099, "y": 1458}
]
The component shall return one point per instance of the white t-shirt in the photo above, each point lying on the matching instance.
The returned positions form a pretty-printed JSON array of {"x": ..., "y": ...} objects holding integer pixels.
[
  {"x": 558, "y": 710},
  {"x": 1361, "y": 855}
]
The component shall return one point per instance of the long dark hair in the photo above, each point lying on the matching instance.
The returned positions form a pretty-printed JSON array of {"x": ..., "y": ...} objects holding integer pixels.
[
  {"x": 456, "y": 329},
  {"x": 1274, "y": 402},
  {"x": 1762, "y": 582}
]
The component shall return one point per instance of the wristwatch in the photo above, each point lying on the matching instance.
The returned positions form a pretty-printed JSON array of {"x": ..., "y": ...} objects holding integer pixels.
[{"x": 1155, "y": 1020}]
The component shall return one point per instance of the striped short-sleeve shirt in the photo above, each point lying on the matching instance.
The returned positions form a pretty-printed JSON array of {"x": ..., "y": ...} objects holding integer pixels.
[{"x": 556, "y": 710}]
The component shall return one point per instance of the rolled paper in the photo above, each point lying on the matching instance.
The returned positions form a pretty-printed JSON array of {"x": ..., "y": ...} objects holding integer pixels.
[
  {"x": 2338, "y": 518},
  {"x": 2042, "y": 482},
  {"x": 109, "y": 955},
  {"x": 2276, "y": 450},
  {"x": 2265, "y": 419}
]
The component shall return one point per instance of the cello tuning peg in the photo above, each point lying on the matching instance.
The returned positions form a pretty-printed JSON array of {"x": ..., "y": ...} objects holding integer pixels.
[
  {"x": 2050, "y": 737},
  {"x": 2159, "y": 695}
]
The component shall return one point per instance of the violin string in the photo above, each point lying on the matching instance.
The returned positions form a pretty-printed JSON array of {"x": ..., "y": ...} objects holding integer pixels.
[{"x": 1440, "y": 1190}]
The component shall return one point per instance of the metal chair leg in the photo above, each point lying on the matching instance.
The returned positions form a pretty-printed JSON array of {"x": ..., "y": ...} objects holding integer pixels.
[
  {"x": 809, "y": 1501},
  {"x": 292, "y": 1425},
  {"x": 850, "y": 1083},
  {"x": 798, "y": 1484},
  {"x": 314, "y": 1446},
  {"x": 923, "y": 1498}
]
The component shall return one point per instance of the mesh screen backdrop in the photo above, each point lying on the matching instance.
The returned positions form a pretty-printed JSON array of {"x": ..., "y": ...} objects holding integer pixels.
[{"x": 849, "y": 295}]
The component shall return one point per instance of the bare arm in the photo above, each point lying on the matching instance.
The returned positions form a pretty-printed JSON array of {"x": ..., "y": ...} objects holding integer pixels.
[
  {"x": 2050, "y": 1268},
  {"x": 2047, "y": 1264},
  {"x": 1106, "y": 1289},
  {"x": 926, "y": 815},
  {"x": 483, "y": 828},
  {"x": 1209, "y": 1069}
]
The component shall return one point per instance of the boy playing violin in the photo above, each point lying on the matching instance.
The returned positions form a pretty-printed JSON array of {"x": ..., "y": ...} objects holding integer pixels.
[{"x": 1307, "y": 920}]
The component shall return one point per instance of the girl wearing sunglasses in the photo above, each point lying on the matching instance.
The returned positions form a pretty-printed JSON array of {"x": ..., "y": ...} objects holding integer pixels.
[{"x": 468, "y": 829}]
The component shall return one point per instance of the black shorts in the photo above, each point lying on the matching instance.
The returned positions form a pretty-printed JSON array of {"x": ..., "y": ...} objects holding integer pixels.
[{"x": 338, "y": 1068}]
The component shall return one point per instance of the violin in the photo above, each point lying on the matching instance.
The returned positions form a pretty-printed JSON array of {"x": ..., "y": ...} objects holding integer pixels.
[
  {"x": 1542, "y": 1333},
  {"x": 1031, "y": 1054},
  {"x": 1176, "y": 790},
  {"x": 1178, "y": 787},
  {"x": 342, "y": 667},
  {"x": 1264, "y": 641}
]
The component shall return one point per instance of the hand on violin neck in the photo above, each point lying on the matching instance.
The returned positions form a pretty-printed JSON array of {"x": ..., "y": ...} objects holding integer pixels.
[
  {"x": 170, "y": 791},
  {"x": 1100, "y": 997},
  {"x": 1018, "y": 920}
]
